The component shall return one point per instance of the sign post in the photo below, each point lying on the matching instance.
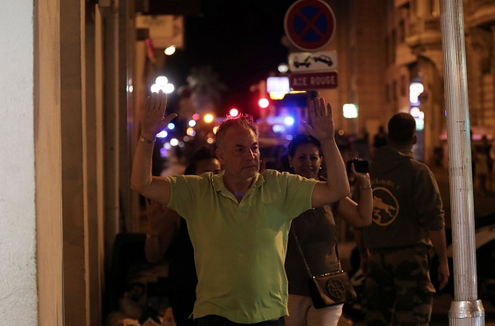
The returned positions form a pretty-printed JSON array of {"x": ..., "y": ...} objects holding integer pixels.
[{"x": 310, "y": 25}]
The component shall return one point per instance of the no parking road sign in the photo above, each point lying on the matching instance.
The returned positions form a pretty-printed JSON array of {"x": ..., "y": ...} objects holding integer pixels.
[{"x": 309, "y": 24}]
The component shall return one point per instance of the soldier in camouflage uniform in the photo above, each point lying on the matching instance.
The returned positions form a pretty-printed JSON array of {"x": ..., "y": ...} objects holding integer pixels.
[{"x": 408, "y": 220}]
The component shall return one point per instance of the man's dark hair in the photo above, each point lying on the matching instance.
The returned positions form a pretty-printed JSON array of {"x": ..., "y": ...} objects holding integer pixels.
[
  {"x": 202, "y": 153},
  {"x": 401, "y": 128},
  {"x": 243, "y": 121}
]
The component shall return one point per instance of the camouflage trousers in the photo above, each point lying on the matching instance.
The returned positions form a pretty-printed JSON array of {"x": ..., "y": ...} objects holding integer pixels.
[{"x": 398, "y": 289}]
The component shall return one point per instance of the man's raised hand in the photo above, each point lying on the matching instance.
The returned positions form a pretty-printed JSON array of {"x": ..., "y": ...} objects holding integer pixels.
[{"x": 152, "y": 117}]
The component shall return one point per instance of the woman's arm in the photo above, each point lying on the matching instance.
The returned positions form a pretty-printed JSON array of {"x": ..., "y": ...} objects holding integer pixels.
[
  {"x": 358, "y": 214},
  {"x": 322, "y": 128}
]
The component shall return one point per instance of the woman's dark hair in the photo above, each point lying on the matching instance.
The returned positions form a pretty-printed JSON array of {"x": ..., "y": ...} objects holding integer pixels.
[
  {"x": 302, "y": 139},
  {"x": 202, "y": 153}
]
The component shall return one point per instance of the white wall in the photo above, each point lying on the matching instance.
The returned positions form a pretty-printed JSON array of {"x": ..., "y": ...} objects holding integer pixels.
[{"x": 18, "y": 294}]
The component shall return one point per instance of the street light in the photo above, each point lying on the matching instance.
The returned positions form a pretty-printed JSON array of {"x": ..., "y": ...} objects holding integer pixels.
[{"x": 161, "y": 83}]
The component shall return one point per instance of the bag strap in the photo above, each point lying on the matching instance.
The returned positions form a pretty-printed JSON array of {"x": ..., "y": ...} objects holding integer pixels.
[{"x": 293, "y": 231}]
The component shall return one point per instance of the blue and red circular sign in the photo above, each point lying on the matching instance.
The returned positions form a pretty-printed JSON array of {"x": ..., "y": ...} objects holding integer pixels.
[{"x": 309, "y": 24}]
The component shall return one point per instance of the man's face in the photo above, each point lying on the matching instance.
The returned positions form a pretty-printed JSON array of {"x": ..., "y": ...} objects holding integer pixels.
[{"x": 239, "y": 153}]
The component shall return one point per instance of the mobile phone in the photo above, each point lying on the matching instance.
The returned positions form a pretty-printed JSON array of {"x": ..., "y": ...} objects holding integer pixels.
[{"x": 360, "y": 166}]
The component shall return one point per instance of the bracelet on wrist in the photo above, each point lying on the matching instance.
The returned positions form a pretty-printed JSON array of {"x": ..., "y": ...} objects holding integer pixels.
[
  {"x": 146, "y": 140},
  {"x": 366, "y": 187},
  {"x": 150, "y": 236}
]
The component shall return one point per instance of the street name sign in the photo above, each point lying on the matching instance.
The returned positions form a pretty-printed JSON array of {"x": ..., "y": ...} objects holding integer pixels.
[{"x": 310, "y": 81}]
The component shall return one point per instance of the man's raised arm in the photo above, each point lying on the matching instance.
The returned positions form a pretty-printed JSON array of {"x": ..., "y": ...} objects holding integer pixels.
[
  {"x": 152, "y": 121},
  {"x": 322, "y": 128}
]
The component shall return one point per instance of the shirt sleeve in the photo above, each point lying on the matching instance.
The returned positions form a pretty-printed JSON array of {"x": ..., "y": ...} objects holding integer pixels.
[
  {"x": 184, "y": 188},
  {"x": 428, "y": 201},
  {"x": 298, "y": 193}
]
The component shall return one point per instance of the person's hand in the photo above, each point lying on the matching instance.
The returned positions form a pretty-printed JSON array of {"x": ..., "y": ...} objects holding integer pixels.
[
  {"x": 443, "y": 273},
  {"x": 362, "y": 179},
  {"x": 155, "y": 213},
  {"x": 321, "y": 117},
  {"x": 152, "y": 115}
]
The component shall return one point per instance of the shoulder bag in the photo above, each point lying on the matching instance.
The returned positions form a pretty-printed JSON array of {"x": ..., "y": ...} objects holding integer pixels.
[{"x": 330, "y": 288}]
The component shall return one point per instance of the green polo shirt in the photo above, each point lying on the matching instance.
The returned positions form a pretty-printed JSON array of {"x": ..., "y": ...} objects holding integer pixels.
[{"x": 240, "y": 247}]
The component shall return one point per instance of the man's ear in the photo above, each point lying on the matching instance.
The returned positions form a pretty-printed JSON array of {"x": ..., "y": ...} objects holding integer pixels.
[
  {"x": 220, "y": 156},
  {"x": 415, "y": 139}
]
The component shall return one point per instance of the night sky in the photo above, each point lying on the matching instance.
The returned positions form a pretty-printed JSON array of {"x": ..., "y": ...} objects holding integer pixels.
[{"x": 239, "y": 39}]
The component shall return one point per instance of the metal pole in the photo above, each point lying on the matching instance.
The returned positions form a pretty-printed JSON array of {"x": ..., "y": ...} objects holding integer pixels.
[{"x": 466, "y": 309}]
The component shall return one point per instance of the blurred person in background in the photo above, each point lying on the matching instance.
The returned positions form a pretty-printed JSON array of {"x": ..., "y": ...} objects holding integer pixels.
[{"x": 168, "y": 235}]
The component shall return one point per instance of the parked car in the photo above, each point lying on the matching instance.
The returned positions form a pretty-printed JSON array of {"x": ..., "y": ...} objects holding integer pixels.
[
  {"x": 485, "y": 260},
  {"x": 324, "y": 58}
]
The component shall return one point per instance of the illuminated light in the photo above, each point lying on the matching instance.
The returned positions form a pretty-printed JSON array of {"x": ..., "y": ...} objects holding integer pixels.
[
  {"x": 283, "y": 68},
  {"x": 186, "y": 138},
  {"x": 171, "y": 126},
  {"x": 161, "y": 80},
  {"x": 215, "y": 129},
  {"x": 196, "y": 116},
  {"x": 162, "y": 134},
  {"x": 168, "y": 88},
  {"x": 341, "y": 132},
  {"x": 163, "y": 152},
  {"x": 297, "y": 92},
  {"x": 130, "y": 89},
  {"x": 208, "y": 118},
  {"x": 278, "y": 129},
  {"x": 289, "y": 137},
  {"x": 414, "y": 90},
  {"x": 174, "y": 142},
  {"x": 190, "y": 132},
  {"x": 350, "y": 111},
  {"x": 234, "y": 112},
  {"x": 210, "y": 140},
  {"x": 155, "y": 88},
  {"x": 278, "y": 84},
  {"x": 417, "y": 113},
  {"x": 289, "y": 121},
  {"x": 277, "y": 95},
  {"x": 167, "y": 146},
  {"x": 420, "y": 123},
  {"x": 181, "y": 144},
  {"x": 170, "y": 50},
  {"x": 191, "y": 123},
  {"x": 263, "y": 103}
]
